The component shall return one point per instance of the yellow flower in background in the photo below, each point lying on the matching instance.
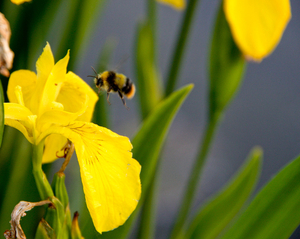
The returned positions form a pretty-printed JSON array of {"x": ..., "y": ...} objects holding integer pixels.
[
  {"x": 19, "y": 1},
  {"x": 55, "y": 105},
  {"x": 177, "y": 4},
  {"x": 257, "y": 25}
]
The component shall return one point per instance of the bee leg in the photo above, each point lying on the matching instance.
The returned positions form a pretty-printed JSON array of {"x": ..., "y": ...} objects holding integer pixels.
[
  {"x": 122, "y": 98},
  {"x": 107, "y": 98}
]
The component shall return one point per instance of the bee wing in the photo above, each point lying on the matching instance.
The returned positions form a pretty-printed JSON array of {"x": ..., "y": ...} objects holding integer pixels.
[{"x": 121, "y": 62}]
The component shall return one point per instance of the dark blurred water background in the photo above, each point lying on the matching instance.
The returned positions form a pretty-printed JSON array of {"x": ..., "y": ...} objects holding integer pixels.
[{"x": 265, "y": 112}]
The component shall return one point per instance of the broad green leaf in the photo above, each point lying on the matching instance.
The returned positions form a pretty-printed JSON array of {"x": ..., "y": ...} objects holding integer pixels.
[
  {"x": 223, "y": 207},
  {"x": 275, "y": 211},
  {"x": 1, "y": 113},
  {"x": 226, "y": 66},
  {"x": 148, "y": 82},
  {"x": 147, "y": 145},
  {"x": 148, "y": 141}
]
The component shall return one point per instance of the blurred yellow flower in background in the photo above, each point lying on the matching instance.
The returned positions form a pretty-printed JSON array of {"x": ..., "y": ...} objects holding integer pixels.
[
  {"x": 57, "y": 106},
  {"x": 177, "y": 4},
  {"x": 19, "y": 1},
  {"x": 257, "y": 25}
]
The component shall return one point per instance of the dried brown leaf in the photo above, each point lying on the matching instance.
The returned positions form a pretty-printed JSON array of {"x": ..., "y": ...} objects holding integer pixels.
[{"x": 6, "y": 54}]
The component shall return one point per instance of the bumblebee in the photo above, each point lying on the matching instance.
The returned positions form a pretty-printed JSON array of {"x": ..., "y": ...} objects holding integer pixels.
[{"x": 113, "y": 82}]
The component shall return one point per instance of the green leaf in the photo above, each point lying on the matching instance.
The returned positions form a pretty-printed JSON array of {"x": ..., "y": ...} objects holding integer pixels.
[
  {"x": 219, "y": 212},
  {"x": 275, "y": 211},
  {"x": 43, "y": 16},
  {"x": 18, "y": 175},
  {"x": 148, "y": 82},
  {"x": 81, "y": 20},
  {"x": 226, "y": 66},
  {"x": 1, "y": 113},
  {"x": 181, "y": 43},
  {"x": 149, "y": 140},
  {"x": 147, "y": 145}
]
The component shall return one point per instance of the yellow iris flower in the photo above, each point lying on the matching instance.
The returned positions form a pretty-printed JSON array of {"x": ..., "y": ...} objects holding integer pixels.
[
  {"x": 177, "y": 4},
  {"x": 19, "y": 1},
  {"x": 56, "y": 106},
  {"x": 257, "y": 25}
]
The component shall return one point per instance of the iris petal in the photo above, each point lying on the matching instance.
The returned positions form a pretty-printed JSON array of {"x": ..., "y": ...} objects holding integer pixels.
[
  {"x": 110, "y": 176},
  {"x": 27, "y": 80},
  {"x": 73, "y": 95},
  {"x": 53, "y": 84},
  {"x": 57, "y": 117},
  {"x": 17, "y": 116},
  {"x": 44, "y": 66},
  {"x": 257, "y": 25}
]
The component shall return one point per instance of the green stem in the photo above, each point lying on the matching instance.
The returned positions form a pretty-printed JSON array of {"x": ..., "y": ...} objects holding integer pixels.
[
  {"x": 41, "y": 181},
  {"x": 180, "y": 46},
  {"x": 147, "y": 226},
  {"x": 152, "y": 13},
  {"x": 195, "y": 176},
  {"x": 148, "y": 211},
  {"x": 152, "y": 17}
]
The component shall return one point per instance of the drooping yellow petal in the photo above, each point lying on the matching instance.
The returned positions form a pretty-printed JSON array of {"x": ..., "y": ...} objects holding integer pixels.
[
  {"x": 53, "y": 84},
  {"x": 27, "y": 80},
  {"x": 110, "y": 176},
  {"x": 177, "y": 4},
  {"x": 257, "y": 25},
  {"x": 17, "y": 116},
  {"x": 73, "y": 95},
  {"x": 19, "y": 1}
]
